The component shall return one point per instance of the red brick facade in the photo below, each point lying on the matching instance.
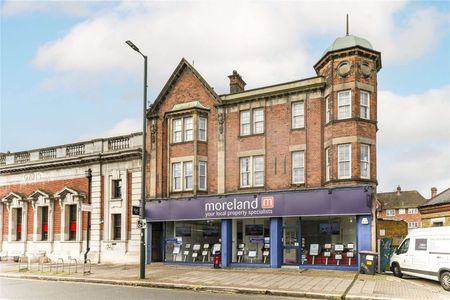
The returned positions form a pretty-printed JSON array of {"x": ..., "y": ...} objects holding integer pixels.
[{"x": 279, "y": 139}]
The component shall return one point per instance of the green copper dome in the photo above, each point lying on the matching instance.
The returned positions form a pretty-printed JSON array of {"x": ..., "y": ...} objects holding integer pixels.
[{"x": 349, "y": 41}]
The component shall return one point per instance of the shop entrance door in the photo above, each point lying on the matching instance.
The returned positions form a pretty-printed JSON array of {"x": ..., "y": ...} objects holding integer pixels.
[
  {"x": 291, "y": 241},
  {"x": 157, "y": 244}
]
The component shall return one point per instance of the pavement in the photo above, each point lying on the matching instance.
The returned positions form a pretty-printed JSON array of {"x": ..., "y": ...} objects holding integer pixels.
[{"x": 304, "y": 283}]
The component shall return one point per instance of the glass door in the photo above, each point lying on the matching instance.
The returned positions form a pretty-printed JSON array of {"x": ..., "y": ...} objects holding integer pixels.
[{"x": 291, "y": 241}]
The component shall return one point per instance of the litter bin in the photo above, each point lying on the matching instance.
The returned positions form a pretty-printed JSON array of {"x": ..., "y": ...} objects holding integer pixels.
[
  {"x": 217, "y": 259},
  {"x": 368, "y": 262}
]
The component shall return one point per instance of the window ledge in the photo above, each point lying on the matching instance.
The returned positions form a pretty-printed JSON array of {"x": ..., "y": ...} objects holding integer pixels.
[
  {"x": 298, "y": 128},
  {"x": 70, "y": 242},
  {"x": 116, "y": 199},
  {"x": 181, "y": 143},
  {"x": 250, "y": 135}
]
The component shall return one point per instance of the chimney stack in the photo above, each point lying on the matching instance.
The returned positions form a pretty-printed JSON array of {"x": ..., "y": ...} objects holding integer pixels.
[
  {"x": 433, "y": 192},
  {"x": 399, "y": 189},
  {"x": 236, "y": 83}
]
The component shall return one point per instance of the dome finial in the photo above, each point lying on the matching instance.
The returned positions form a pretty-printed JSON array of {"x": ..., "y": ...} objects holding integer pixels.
[{"x": 347, "y": 24}]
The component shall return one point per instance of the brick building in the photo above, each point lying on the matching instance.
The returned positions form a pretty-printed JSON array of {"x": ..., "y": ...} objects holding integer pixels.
[
  {"x": 401, "y": 205},
  {"x": 43, "y": 193},
  {"x": 436, "y": 211},
  {"x": 277, "y": 175}
]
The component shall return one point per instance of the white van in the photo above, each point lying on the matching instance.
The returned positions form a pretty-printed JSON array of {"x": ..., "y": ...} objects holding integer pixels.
[{"x": 425, "y": 253}]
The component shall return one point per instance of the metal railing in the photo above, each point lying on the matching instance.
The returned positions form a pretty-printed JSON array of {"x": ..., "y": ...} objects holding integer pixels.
[
  {"x": 47, "y": 153},
  {"x": 75, "y": 150},
  {"x": 21, "y": 157},
  {"x": 119, "y": 143}
]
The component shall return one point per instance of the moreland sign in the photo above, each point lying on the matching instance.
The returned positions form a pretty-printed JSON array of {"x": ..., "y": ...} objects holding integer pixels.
[{"x": 340, "y": 201}]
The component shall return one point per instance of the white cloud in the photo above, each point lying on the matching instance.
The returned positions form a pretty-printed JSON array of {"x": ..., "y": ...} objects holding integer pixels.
[
  {"x": 123, "y": 127},
  {"x": 414, "y": 119},
  {"x": 73, "y": 8},
  {"x": 414, "y": 140}
]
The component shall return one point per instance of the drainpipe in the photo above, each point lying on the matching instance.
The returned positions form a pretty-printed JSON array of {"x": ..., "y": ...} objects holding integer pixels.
[{"x": 88, "y": 234}]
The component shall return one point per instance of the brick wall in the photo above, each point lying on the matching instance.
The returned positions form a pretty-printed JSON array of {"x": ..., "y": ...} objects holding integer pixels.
[
  {"x": 80, "y": 184},
  {"x": 279, "y": 139}
]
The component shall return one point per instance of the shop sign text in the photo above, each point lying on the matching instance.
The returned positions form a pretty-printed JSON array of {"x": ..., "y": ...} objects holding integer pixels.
[{"x": 240, "y": 208}]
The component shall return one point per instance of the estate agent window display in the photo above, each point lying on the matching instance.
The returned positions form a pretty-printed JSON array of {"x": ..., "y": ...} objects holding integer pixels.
[
  {"x": 251, "y": 241},
  {"x": 192, "y": 241},
  {"x": 329, "y": 240}
]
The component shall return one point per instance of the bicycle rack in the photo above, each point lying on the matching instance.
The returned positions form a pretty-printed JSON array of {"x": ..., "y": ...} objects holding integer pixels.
[
  {"x": 62, "y": 264},
  {"x": 76, "y": 265},
  {"x": 27, "y": 267},
  {"x": 88, "y": 261}
]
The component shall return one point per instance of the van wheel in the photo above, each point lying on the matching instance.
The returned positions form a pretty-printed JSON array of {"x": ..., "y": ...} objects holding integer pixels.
[
  {"x": 396, "y": 270},
  {"x": 445, "y": 280}
]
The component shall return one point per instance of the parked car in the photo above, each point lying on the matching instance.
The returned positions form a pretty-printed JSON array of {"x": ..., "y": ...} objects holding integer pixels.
[{"x": 425, "y": 253}]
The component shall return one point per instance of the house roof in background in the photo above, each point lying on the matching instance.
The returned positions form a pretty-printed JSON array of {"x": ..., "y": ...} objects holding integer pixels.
[
  {"x": 441, "y": 198},
  {"x": 403, "y": 200}
]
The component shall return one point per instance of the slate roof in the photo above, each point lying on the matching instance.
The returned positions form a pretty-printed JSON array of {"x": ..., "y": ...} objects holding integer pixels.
[
  {"x": 406, "y": 199},
  {"x": 441, "y": 198}
]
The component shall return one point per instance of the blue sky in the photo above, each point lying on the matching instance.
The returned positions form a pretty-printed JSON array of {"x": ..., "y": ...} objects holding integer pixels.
[{"x": 67, "y": 75}]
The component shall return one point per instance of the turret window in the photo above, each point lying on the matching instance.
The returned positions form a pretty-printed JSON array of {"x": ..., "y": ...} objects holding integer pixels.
[
  {"x": 202, "y": 169},
  {"x": 344, "y": 162},
  {"x": 365, "y": 161},
  {"x": 364, "y": 105},
  {"x": 344, "y": 105},
  {"x": 187, "y": 175},
  {"x": 327, "y": 110}
]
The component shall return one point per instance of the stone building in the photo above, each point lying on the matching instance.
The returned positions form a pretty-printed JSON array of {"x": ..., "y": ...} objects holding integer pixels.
[
  {"x": 436, "y": 211},
  {"x": 401, "y": 205},
  {"x": 45, "y": 195},
  {"x": 276, "y": 175}
]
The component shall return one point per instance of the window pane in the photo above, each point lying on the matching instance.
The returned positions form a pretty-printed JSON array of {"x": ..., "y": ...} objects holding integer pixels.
[
  {"x": 258, "y": 120},
  {"x": 258, "y": 162},
  {"x": 298, "y": 167},
  {"x": 364, "y": 104},
  {"x": 298, "y": 119},
  {"x": 188, "y": 175},
  {"x": 202, "y": 175},
  {"x": 365, "y": 162},
  {"x": 344, "y": 161},
  {"x": 177, "y": 130},
  {"x": 188, "y": 129},
  {"x": 245, "y": 122},
  {"x": 328, "y": 110},
  {"x": 328, "y": 164},
  {"x": 177, "y": 176},
  {"x": 245, "y": 171},
  {"x": 344, "y": 104},
  {"x": 202, "y": 129}
]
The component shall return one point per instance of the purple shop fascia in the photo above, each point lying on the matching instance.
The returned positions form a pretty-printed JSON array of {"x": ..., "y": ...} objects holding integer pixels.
[{"x": 345, "y": 201}]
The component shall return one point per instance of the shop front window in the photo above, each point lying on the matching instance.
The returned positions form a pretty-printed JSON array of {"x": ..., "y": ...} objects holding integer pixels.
[
  {"x": 251, "y": 241},
  {"x": 192, "y": 241},
  {"x": 291, "y": 241},
  {"x": 329, "y": 240}
]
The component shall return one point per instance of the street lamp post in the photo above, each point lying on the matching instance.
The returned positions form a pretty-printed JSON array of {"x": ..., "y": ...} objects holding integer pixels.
[{"x": 144, "y": 134}]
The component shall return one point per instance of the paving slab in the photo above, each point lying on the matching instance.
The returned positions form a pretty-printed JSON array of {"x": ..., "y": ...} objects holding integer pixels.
[{"x": 308, "y": 283}]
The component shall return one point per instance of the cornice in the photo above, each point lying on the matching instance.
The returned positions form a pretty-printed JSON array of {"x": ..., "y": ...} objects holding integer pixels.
[{"x": 73, "y": 161}]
